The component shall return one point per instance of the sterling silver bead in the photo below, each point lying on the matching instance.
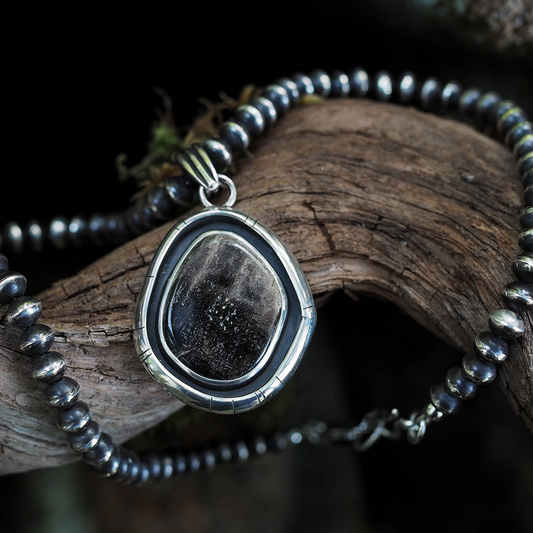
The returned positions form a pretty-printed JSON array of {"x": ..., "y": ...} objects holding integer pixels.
[
  {"x": 443, "y": 399},
  {"x": 340, "y": 84},
  {"x": 58, "y": 232},
  {"x": 77, "y": 230},
  {"x": 485, "y": 106},
  {"x": 517, "y": 132},
  {"x": 86, "y": 439},
  {"x": 321, "y": 82},
  {"x": 13, "y": 236},
  {"x": 109, "y": 467},
  {"x": 490, "y": 348},
  {"x": 359, "y": 82},
  {"x": 525, "y": 240},
  {"x": 101, "y": 452},
  {"x": 220, "y": 155},
  {"x": 430, "y": 93},
  {"x": 506, "y": 323},
  {"x": 24, "y": 311},
  {"x": 523, "y": 267},
  {"x": 459, "y": 385},
  {"x": 266, "y": 108},
  {"x": 526, "y": 218},
  {"x": 291, "y": 88},
  {"x": 407, "y": 88},
  {"x": 48, "y": 367},
  {"x": 251, "y": 119},
  {"x": 34, "y": 235},
  {"x": 518, "y": 297},
  {"x": 235, "y": 135},
  {"x": 36, "y": 340},
  {"x": 62, "y": 393},
  {"x": 468, "y": 102},
  {"x": 12, "y": 286},
  {"x": 524, "y": 146},
  {"x": 278, "y": 96},
  {"x": 478, "y": 371},
  {"x": 525, "y": 164},
  {"x": 382, "y": 86},
  {"x": 509, "y": 119},
  {"x": 450, "y": 96},
  {"x": 304, "y": 83},
  {"x": 74, "y": 418}
]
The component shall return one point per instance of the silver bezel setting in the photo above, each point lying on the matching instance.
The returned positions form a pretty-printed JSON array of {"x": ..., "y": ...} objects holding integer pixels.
[{"x": 211, "y": 400}]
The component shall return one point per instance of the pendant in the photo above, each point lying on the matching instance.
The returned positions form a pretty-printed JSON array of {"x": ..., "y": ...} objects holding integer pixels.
[{"x": 225, "y": 312}]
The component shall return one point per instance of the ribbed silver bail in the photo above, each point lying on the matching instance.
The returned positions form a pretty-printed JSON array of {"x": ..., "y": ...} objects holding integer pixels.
[{"x": 196, "y": 163}]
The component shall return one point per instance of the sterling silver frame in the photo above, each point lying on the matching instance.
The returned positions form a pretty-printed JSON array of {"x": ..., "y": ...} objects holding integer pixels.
[{"x": 185, "y": 391}]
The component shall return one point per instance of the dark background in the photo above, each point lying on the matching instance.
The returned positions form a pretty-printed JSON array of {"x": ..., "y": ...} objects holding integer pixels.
[{"x": 79, "y": 90}]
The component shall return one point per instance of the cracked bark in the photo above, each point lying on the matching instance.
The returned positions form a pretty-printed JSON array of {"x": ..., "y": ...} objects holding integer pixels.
[{"x": 371, "y": 198}]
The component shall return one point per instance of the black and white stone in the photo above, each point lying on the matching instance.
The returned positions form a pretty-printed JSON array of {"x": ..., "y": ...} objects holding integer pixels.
[{"x": 224, "y": 309}]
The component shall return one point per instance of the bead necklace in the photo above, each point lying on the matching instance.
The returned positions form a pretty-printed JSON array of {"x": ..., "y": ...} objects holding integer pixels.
[{"x": 219, "y": 235}]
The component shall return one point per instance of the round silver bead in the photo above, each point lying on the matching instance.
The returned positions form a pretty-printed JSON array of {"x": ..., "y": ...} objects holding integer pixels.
[
  {"x": 516, "y": 133},
  {"x": 524, "y": 146},
  {"x": 340, "y": 84},
  {"x": 450, "y": 95},
  {"x": 321, "y": 82},
  {"x": 86, "y": 439},
  {"x": 303, "y": 82},
  {"x": 266, "y": 108},
  {"x": 525, "y": 240},
  {"x": 407, "y": 88},
  {"x": 443, "y": 399},
  {"x": 459, "y": 385},
  {"x": 110, "y": 467},
  {"x": 509, "y": 119},
  {"x": 12, "y": 286},
  {"x": 382, "y": 86},
  {"x": 523, "y": 267},
  {"x": 518, "y": 297},
  {"x": 209, "y": 459},
  {"x": 36, "y": 340},
  {"x": 525, "y": 164},
  {"x": 251, "y": 119},
  {"x": 490, "y": 347},
  {"x": 478, "y": 371},
  {"x": 13, "y": 237},
  {"x": 101, "y": 452},
  {"x": 468, "y": 102},
  {"x": 220, "y": 155},
  {"x": 77, "y": 230},
  {"x": 24, "y": 311},
  {"x": 485, "y": 106},
  {"x": 58, "y": 232},
  {"x": 235, "y": 135},
  {"x": 73, "y": 418},
  {"x": 500, "y": 110},
  {"x": 34, "y": 234},
  {"x": 430, "y": 93},
  {"x": 278, "y": 96},
  {"x": 359, "y": 82},
  {"x": 526, "y": 218},
  {"x": 62, "y": 393},
  {"x": 48, "y": 367},
  {"x": 431, "y": 413},
  {"x": 506, "y": 323},
  {"x": 291, "y": 88},
  {"x": 527, "y": 179}
]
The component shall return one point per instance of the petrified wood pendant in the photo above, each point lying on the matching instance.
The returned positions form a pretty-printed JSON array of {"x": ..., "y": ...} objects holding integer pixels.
[{"x": 225, "y": 312}]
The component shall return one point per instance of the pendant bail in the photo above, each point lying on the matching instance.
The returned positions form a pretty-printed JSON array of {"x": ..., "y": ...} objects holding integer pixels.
[{"x": 196, "y": 163}]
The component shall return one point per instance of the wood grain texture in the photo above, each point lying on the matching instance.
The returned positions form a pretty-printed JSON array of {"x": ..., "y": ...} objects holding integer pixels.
[{"x": 371, "y": 198}]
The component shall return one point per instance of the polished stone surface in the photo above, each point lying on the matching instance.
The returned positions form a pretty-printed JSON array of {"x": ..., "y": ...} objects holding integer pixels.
[{"x": 224, "y": 307}]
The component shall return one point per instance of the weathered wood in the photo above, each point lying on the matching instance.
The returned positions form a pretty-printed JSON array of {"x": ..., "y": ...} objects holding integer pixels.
[{"x": 371, "y": 198}]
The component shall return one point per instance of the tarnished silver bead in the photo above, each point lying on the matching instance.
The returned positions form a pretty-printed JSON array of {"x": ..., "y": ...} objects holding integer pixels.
[
  {"x": 62, "y": 393},
  {"x": 101, "y": 452},
  {"x": 523, "y": 267},
  {"x": 36, "y": 340},
  {"x": 235, "y": 135},
  {"x": 430, "y": 93},
  {"x": 516, "y": 133},
  {"x": 73, "y": 418},
  {"x": 58, "y": 232},
  {"x": 478, "y": 371},
  {"x": 443, "y": 399},
  {"x": 321, "y": 82},
  {"x": 86, "y": 439},
  {"x": 110, "y": 467},
  {"x": 527, "y": 179},
  {"x": 278, "y": 96},
  {"x": 291, "y": 88},
  {"x": 518, "y": 296},
  {"x": 485, "y": 106},
  {"x": 450, "y": 95},
  {"x": 24, "y": 311},
  {"x": 525, "y": 164},
  {"x": 266, "y": 108},
  {"x": 500, "y": 110},
  {"x": 359, "y": 82},
  {"x": 506, "y": 323},
  {"x": 13, "y": 237},
  {"x": 251, "y": 119},
  {"x": 468, "y": 102},
  {"x": 526, "y": 218},
  {"x": 12, "y": 286},
  {"x": 490, "y": 347},
  {"x": 77, "y": 230},
  {"x": 303, "y": 82},
  {"x": 525, "y": 240},
  {"x": 48, "y": 367},
  {"x": 431, "y": 413},
  {"x": 180, "y": 464},
  {"x": 382, "y": 86},
  {"x": 459, "y": 385},
  {"x": 209, "y": 459},
  {"x": 220, "y": 155},
  {"x": 510, "y": 118},
  {"x": 340, "y": 84},
  {"x": 34, "y": 235},
  {"x": 524, "y": 146},
  {"x": 407, "y": 88}
]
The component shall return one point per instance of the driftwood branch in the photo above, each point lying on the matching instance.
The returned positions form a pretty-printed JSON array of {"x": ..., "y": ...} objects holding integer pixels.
[{"x": 371, "y": 198}]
